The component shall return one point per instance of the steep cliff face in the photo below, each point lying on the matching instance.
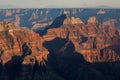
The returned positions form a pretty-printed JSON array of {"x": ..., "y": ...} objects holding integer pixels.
[
  {"x": 14, "y": 39},
  {"x": 89, "y": 39}
]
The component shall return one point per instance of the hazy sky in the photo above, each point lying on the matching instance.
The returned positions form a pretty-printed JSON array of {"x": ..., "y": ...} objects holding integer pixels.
[{"x": 58, "y": 3}]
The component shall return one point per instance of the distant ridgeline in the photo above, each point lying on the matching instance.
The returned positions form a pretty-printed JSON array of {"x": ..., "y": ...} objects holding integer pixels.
[{"x": 41, "y": 18}]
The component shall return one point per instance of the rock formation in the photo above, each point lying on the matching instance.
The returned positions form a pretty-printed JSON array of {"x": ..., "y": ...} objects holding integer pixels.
[
  {"x": 90, "y": 40},
  {"x": 13, "y": 38},
  {"x": 65, "y": 20},
  {"x": 92, "y": 20},
  {"x": 101, "y": 11},
  {"x": 72, "y": 20}
]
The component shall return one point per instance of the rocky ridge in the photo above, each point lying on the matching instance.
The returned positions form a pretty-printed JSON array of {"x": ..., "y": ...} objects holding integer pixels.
[
  {"x": 92, "y": 40},
  {"x": 13, "y": 38},
  {"x": 72, "y": 20}
]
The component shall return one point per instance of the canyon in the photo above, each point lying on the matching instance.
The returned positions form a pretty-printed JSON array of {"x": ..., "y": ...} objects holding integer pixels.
[{"x": 67, "y": 45}]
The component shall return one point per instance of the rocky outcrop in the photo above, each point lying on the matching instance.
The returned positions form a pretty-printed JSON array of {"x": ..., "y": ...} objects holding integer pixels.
[
  {"x": 8, "y": 13},
  {"x": 65, "y": 20},
  {"x": 7, "y": 26},
  {"x": 92, "y": 20},
  {"x": 89, "y": 39},
  {"x": 12, "y": 40},
  {"x": 101, "y": 11},
  {"x": 34, "y": 16},
  {"x": 72, "y": 21}
]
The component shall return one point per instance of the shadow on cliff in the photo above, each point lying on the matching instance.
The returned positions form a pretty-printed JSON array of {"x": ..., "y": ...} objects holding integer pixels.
[
  {"x": 1, "y": 63},
  {"x": 39, "y": 69},
  {"x": 115, "y": 48},
  {"x": 56, "y": 23},
  {"x": 64, "y": 60},
  {"x": 70, "y": 65},
  {"x": 107, "y": 70},
  {"x": 14, "y": 66}
]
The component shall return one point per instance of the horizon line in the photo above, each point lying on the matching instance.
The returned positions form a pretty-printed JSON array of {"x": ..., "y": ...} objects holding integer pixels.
[{"x": 67, "y": 8}]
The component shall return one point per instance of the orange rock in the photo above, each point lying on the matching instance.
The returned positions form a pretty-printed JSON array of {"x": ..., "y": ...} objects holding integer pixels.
[
  {"x": 88, "y": 39},
  {"x": 12, "y": 39}
]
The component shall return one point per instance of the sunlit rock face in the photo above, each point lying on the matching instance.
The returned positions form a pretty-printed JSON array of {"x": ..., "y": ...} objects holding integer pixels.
[
  {"x": 92, "y": 20},
  {"x": 72, "y": 20},
  {"x": 13, "y": 38},
  {"x": 94, "y": 41}
]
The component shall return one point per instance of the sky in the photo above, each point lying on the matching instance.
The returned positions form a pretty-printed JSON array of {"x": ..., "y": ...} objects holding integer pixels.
[{"x": 59, "y": 3}]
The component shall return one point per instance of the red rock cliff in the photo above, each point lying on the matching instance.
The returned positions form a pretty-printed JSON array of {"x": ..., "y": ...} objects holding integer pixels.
[
  {"x": 12, "y": 39},
  {"x": 89, "y": 39}
]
